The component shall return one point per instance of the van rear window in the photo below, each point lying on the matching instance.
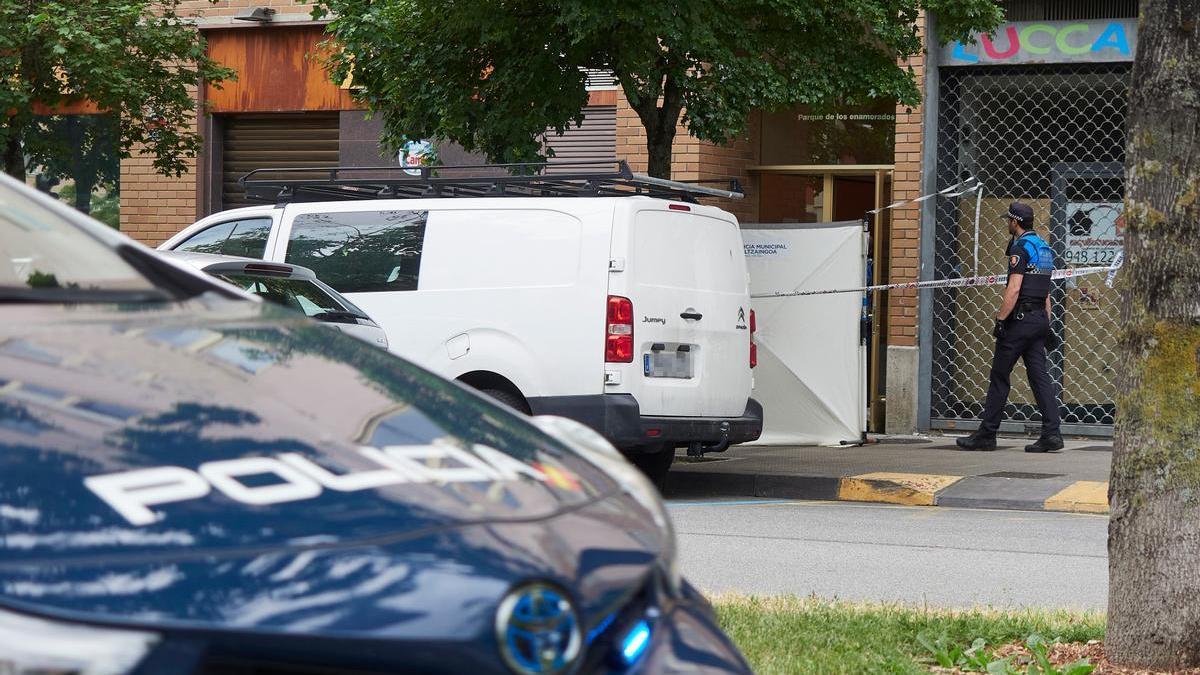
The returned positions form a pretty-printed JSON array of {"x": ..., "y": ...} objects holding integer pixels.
[
  {"x": 688, "y": 250},
  {"x": 360, "y": 251}
]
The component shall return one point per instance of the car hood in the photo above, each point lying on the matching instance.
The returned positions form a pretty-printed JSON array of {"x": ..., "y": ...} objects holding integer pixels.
[
  {"x": 219, "y": 429},
  {"x": 424, "y": 603}
]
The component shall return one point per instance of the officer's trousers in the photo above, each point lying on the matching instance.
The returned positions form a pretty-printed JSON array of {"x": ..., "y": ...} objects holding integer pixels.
[{"x": 1023, "y": 338}]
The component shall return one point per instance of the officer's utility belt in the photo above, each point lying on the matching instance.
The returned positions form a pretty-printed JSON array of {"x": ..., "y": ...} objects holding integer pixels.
[{"x": 1028, "y": 305}]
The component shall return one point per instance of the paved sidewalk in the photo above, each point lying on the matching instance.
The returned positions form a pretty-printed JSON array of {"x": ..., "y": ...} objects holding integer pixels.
[{"x": 908, "y": 470}]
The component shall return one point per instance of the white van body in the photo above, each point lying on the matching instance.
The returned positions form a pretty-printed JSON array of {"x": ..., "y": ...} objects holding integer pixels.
[{"x": 511, "y": 294}]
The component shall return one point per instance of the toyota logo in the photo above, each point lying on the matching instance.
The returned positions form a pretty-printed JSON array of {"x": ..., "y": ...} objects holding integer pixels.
[{"x": 538, "y": 630}]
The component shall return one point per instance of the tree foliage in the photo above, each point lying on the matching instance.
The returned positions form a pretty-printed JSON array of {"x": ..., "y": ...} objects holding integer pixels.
[
  {"x": 135, "y": 59},
  {"x": 77, "y": 148},
  {"x": 493, "y": 75}
]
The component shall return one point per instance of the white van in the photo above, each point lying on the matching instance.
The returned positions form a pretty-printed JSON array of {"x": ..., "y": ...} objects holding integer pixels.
[{"x": 630, "y": 314}]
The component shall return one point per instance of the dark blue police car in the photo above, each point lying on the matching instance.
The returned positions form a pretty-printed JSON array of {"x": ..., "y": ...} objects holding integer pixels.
[{"x": 194, "y": 482}]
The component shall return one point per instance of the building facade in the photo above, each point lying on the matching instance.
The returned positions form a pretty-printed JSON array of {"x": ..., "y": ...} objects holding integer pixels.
[
  {"x": 1038, "y": 113},
  {"x": 1035, "y": 112}
]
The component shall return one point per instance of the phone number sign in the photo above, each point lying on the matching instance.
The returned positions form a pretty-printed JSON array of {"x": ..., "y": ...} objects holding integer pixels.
[{"x": 1095, "y": 233}]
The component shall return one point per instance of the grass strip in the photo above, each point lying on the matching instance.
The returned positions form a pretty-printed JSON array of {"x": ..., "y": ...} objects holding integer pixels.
[{"x": 787, "y": 634}]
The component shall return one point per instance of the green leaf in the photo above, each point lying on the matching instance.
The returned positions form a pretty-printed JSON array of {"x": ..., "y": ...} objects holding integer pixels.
[
  {"x": 926, "y": 644},
  {"x": 1001, "y": 667},
  {"x": 1081, "y": 667}
]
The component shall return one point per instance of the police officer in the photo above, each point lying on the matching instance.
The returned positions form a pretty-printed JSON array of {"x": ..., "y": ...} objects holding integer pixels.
[{"x": 1022, "y": 329}]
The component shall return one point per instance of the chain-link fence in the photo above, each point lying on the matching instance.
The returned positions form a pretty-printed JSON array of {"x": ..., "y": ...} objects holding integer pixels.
[{"x": 1052, "y": 137}]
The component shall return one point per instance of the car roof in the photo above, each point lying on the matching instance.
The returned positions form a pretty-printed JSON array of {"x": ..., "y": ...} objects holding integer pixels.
[{"x": 214, "y": 263}]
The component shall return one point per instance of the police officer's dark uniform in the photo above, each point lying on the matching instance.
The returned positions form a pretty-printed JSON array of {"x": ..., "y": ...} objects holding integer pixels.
[{"x": 1022, "y": 334}]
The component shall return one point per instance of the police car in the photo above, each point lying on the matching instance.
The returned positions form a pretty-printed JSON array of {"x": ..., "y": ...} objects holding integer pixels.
[{"x": 192, "y": 481}]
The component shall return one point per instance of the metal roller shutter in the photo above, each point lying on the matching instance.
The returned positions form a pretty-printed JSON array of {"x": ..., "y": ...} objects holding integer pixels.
[
  {"x": 265, "y": 141},
  {"x": 595, "y": 141}
]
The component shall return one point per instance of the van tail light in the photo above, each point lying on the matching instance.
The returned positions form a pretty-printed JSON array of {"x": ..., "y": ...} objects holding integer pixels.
[
  {"x": 618, "y": 338},
  {"x": 753, "y": 344}
]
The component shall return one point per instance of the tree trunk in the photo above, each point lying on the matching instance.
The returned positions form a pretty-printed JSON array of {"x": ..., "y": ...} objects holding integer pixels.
[
  {"x": 658, "y": 150},
  {"x": 82, "y": 170},
  {"x": 1154, "y": 528},
  {"x": 659, "y": 114},
  {"x": 83, "y": 194},
  {"x": 14, "y": 156}
]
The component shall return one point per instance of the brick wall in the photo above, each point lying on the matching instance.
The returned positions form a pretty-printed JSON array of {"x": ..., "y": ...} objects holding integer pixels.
[
  {"x": 693, "y": 159},
  {"x": 906, "y": 221},
  {"x": 153, "y": 206}
]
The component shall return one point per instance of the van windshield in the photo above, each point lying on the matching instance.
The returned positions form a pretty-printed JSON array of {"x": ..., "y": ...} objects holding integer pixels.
[{"x": 46, "y": 258}]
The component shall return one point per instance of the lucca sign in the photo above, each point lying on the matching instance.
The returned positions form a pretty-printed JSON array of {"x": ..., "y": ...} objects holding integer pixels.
[{"x": 1048, "y": 42}]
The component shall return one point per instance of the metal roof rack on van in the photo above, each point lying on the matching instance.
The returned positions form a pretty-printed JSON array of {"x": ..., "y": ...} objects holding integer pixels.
[{"x": 541, "y": 179}]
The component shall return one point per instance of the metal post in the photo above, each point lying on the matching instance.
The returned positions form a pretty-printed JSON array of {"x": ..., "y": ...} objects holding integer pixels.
[
  {"x": 929, "y": 175},
  {"x": 978, "y": 203}
]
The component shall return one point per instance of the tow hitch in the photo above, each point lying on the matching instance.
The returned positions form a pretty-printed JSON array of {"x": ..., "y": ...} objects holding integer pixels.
[{"x": 697, "y": 449}]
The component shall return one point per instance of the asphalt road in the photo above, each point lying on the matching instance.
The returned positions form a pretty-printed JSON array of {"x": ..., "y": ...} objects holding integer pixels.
[{"x": 941, "y": 557}]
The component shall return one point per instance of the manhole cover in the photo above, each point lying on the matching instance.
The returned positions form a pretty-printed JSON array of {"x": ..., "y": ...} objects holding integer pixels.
[{"x": 1021, "y": 474}]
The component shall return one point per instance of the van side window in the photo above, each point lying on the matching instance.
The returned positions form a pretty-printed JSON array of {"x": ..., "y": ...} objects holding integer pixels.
[
  {"x": 360, "y": 251},
  {"x": 246, "y": 238}
]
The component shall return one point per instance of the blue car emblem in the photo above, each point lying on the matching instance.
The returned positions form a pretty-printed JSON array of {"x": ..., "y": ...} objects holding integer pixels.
[{"x": 538, "y": 630}]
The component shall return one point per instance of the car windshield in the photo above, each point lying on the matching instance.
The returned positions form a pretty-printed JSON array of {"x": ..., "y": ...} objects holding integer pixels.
[
  {"x": 46, "y": 258},
  {"x": 301, "y": 295}
]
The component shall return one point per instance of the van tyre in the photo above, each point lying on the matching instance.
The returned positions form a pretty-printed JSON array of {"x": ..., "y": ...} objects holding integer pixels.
[
  {"x": 508, "y": 398},
  {"x": 654, "y": 461}
]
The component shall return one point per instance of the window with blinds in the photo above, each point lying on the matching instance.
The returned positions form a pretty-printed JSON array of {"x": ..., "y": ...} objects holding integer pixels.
[
  {"x": 595, "y": 141},
  {"x": 274, "y": 141}
]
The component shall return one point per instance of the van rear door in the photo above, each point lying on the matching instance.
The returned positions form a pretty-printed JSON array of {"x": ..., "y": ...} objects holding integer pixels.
[{"x": 685, "y": 273}]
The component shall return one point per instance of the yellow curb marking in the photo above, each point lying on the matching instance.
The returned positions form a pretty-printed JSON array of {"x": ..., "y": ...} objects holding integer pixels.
[
  {"x": 912, "y": 489},
  {"x": 1083, "y": 496}
]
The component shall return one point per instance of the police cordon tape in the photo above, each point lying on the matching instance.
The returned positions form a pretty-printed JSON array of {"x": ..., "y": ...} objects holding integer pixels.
[
  {"x": 986, "y": 280},
  {"x": 968, "y": 185}
]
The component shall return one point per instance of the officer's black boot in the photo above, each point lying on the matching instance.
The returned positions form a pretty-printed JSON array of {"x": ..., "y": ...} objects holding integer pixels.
[
  {"x": 1047, "y": 443},
  {"x": 977, "y": 442}
]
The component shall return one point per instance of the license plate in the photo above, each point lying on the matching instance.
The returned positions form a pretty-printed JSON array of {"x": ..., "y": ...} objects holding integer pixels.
[{"x": 672, "y": 364}]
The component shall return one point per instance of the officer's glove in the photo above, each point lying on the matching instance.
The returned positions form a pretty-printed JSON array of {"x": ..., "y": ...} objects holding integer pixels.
[
  {"x": 998, "y": 329},
  {"x": 1053, "y": 341}
]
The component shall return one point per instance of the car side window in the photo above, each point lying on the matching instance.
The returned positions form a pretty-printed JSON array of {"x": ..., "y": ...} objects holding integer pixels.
[
  {"x": 246, "y": 238},
  {"x": 249, "y": 238},
  {"x": 360, "y": 251},
  {"x": 208, "y": 240}
]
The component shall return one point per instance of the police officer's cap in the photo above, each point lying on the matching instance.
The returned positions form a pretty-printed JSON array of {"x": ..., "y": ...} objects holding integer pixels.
[{"x": 1022, "y": 213}]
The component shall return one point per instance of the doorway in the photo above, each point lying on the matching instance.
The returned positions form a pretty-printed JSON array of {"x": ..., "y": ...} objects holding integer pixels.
[
  {"x": 815, "y": 194},
  {"x": 853, "y": 196}
]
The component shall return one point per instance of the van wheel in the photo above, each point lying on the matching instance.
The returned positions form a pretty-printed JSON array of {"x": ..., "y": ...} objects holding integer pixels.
[
  {"x": 654, "y": 461},
  {"x": 508, "y": 398}
]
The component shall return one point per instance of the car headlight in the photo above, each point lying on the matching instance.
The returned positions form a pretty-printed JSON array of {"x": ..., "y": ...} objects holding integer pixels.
[
  {"x": 33, "y": 646},
  {"x": 597, "y": 450}
]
